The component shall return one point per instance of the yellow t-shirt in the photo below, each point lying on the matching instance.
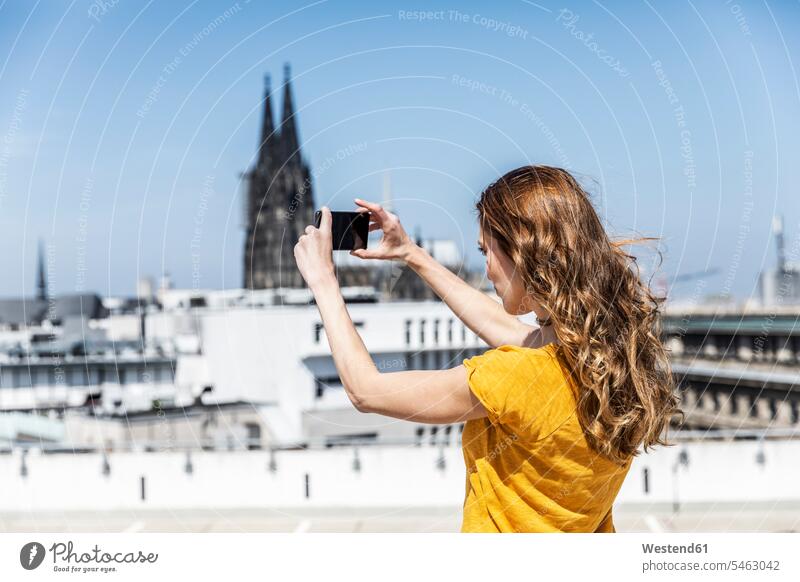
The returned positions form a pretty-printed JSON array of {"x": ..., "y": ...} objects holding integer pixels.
[{"x": 529, "y": 467}]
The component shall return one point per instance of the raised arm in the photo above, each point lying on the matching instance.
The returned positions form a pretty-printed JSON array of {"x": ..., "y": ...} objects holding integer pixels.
[
  {"x": 429, "y": 396},
  {"x": 479, "y": 312},
  {"x": 436, "y": 396}
]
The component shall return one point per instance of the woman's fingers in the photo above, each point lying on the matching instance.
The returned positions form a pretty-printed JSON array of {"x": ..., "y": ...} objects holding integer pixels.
[
  {"x": 374, "y": 226},
  {"x": 365, "y": 204},
  {"x": 365, "y": 253},
  {"x": 377, "y": 210}
]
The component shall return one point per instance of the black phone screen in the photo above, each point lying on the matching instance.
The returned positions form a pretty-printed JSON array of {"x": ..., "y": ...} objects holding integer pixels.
[{"x": 349, "y": 230}]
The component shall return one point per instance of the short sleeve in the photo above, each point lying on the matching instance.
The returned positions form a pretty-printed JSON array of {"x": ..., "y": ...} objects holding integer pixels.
[
  {"x": 522, "y": 389},
  {"x": 606, "y": 524}
]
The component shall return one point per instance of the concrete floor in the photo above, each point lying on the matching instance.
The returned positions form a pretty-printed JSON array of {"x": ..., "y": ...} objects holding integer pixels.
[{"x": 627, "y": 519}]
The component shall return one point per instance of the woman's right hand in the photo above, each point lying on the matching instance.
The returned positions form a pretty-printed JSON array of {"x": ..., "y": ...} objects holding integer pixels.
[{"x": 395, "y": 242}]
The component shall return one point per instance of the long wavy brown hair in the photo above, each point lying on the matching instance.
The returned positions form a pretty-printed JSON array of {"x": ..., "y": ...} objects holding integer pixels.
[{"x": 604, "y": 316}]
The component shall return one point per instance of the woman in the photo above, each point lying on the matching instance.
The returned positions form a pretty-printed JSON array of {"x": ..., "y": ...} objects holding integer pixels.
[{"x": 554, "y": 414}]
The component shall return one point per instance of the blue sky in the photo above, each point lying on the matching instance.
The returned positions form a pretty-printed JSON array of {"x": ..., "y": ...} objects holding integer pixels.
[{"x": 124, "y": 125}]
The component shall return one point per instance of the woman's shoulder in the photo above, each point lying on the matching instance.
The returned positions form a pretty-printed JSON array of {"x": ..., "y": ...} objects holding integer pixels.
[
  {"x": 523, "y": 388},
  {"x": 547, "y": 350},
  {"x": 510, "y": 357}
]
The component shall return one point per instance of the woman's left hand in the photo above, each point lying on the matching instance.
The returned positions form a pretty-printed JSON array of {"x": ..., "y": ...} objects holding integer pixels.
[{"x": 314, "y": 255}]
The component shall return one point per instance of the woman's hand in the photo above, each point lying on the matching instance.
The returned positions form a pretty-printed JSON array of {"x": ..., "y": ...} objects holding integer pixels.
[
  {"x": 395, "y": 243},
  {"x": 314, "y": 255}
]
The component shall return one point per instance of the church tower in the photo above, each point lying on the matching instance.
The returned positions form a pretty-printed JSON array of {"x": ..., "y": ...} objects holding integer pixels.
[{"x": 280, "y": 198}]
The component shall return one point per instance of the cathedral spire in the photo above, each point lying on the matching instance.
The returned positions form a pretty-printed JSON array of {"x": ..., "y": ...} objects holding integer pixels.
[
  {"x": 41, "y": 277},
  {"x": 288, "y": 125},
  {"x": 280, "y": 200},
  {"x": 267, "y": 126}
]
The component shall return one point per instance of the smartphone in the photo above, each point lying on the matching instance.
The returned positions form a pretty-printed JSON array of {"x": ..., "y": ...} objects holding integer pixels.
[{"x": 349, "y": 230}]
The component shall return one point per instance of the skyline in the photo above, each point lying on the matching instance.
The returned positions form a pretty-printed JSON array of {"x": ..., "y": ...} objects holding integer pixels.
[{"x": 125, "y": 127}]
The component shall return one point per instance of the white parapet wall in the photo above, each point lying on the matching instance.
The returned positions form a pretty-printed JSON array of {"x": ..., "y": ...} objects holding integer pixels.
[{"x": 378, "y": 476}]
